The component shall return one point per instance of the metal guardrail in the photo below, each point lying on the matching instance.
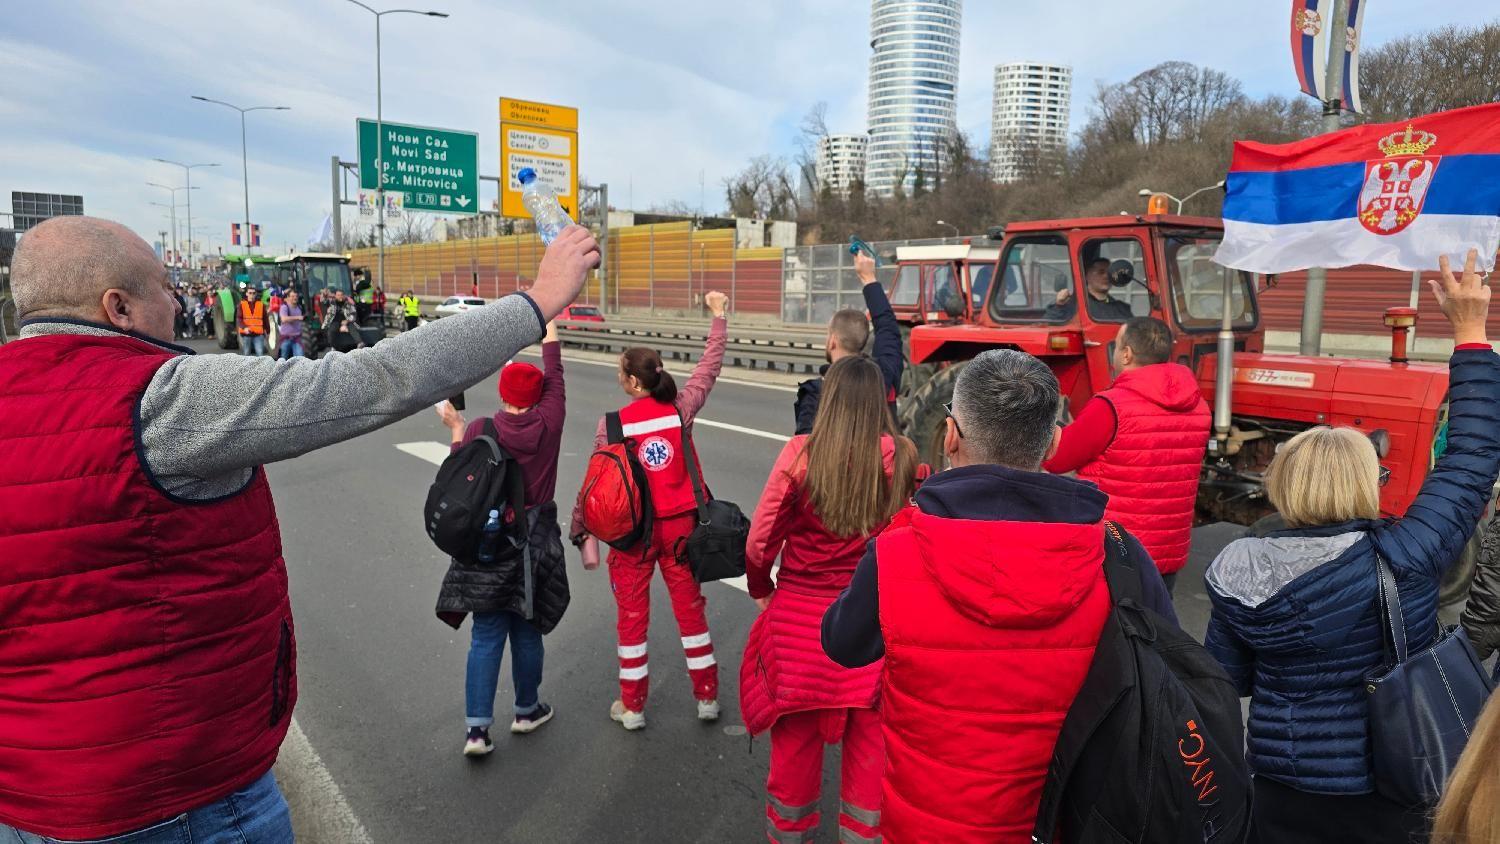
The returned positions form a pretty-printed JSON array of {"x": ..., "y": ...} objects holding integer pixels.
[{"x": 747, "y": 348}]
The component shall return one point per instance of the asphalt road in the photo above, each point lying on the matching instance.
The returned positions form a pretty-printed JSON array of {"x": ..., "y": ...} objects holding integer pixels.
[{"x": 382, "y": 679}]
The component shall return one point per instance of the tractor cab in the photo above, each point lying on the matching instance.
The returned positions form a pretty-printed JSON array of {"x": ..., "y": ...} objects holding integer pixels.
[
  {"x": 941, "y": 284},
  {"x": 1062, "y": 289},
  {"x": 316, "y": 276}
]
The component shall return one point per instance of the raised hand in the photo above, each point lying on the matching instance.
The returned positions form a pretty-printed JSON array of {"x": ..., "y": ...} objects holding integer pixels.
[
  {"x": 564, "y": 269},
  {"x": 717, "y": 303},
  {"x": 864, "y": 267},
  {"x": 1465, "y": 301}
]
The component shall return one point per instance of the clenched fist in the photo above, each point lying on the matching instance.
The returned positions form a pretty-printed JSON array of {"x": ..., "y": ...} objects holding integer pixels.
[
  {"x": 564, "y": 269},
  {"x": 717, "y": 303}
]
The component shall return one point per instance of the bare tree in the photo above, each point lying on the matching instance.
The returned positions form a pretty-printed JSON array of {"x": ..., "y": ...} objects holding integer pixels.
[
  {"x": 409, "y": 228},
  {"x": 1448, "y": 68},
  {"x": 765, "y": 189}
]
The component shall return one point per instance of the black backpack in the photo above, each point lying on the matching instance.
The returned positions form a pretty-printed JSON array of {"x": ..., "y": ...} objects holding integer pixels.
[
  {"x": 477, "y": 478},
  {"x": 1152, "y": 749}
]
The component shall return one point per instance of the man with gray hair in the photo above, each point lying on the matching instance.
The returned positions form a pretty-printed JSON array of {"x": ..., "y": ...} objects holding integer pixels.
[
  {"x": 986, "y": 597},
  {"x": 146, "y": 638}
]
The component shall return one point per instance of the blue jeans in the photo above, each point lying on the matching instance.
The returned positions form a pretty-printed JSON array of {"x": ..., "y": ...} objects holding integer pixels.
[
  {"x": 485, "y": 651},
  {"x": 291, "y": 348},
  {"x": 256, "y": 814},
  {"x": 252, "y": 344}
]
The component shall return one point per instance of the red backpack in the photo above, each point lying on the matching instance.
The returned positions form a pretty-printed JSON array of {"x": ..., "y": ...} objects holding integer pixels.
[{"x": 615, "y": 501}]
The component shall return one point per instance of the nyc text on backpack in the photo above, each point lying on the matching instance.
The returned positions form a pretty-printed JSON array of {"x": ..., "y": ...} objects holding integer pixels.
[
  {"x": 1152, "y": 749},
  {"x": 477, "y": 478},
  {"x": 615, "y": 501}
]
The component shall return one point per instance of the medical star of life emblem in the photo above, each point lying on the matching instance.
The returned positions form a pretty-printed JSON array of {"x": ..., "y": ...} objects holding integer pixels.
[
  {"x": 1395, "y": 186},
  {"x": 655, "y": 454}
]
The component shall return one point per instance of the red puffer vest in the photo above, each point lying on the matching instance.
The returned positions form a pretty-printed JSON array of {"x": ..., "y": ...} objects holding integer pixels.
[
  {"x": 784, "y": 669},
  {"x": 989, "y": 630},
  {"x": 146, "y": 649},
  {"x": 1150, "y": 470},
  {"x": 656, "y": 428}
]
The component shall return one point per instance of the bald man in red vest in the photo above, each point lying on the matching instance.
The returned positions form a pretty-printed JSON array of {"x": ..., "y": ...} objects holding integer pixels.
[{"x": 146, "y": 636}]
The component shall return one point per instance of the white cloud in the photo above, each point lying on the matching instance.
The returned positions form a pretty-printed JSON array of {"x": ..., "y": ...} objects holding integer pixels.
[{"x": 96, "y": 89}]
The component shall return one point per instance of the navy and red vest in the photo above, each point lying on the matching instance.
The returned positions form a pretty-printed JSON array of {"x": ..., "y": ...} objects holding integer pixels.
[
  {"x": 1150, "y": 470},
  {"x": 147, "y": 657},
  {"x": 656, "y": 428},
  {"x": 989, "y": 630}
]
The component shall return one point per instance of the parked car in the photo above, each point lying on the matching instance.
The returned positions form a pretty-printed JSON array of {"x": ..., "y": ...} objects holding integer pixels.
[
  {"x": 582, "y": 313},
  {"x": 458, "y": 304}
]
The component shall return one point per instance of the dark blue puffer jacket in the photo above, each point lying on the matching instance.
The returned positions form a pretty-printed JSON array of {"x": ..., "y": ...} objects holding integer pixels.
[{"x": 1295, "y": 620}]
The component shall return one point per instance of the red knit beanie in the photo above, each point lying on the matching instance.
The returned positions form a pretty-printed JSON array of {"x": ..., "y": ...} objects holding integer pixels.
[{"x": 520, "y": 385}]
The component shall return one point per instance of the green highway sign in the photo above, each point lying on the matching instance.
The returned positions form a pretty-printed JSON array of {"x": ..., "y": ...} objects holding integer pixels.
[{"x": 435, "y": 169}]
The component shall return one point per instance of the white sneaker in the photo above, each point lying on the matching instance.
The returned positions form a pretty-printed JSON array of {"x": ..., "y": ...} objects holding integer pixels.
[
  {"x": 708, "y": 710},
  {"x": 629, "y": 720},
  {"x": 478, "y": 743}
]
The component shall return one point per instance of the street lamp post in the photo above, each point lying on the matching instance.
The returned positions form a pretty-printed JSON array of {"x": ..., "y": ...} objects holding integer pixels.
[
  {"x": 172, "y": 210},
  {"x": 177, "y": 255},
  {"x": 187, "y": 175},
  {"x": 951, "y": 226},
  {"x": 244, "y": 156},
  {"x": 1183, "y": 201},
  {"x": 380, "y": 127}
]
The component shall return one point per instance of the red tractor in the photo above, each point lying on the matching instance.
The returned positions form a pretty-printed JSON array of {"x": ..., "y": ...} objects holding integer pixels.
[{"x": 960, "y": 300}]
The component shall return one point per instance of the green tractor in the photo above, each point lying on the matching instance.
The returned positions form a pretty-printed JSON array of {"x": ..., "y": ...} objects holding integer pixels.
[{"x": 311, "y": 274}]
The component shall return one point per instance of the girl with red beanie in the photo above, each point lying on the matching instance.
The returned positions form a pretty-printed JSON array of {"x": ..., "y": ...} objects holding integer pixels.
[
  {"x": 529, "y": 427},
  {"x": 656, "y": 419},
  {"x": 829, "y": 493}
]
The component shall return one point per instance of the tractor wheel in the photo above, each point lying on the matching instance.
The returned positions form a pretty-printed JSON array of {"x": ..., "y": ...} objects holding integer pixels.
[
  {"x": 921, "y": 414},
  {"x": 915, "y": 376},
  {"x": 224, "y": 333}
]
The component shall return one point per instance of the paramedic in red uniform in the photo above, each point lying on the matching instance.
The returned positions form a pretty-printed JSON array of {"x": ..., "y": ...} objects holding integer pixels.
[
  {"x": 986, "y": 598},
  {"x": 147, "y": 649},
  {"x": 1142, "y": 442},
  {"x": 655, "y": 420},
  {"x": 828, "y": 493}
]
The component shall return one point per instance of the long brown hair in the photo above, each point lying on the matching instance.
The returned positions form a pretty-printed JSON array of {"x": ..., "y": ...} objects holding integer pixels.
[
  {"x": 645, "y": 364},
  {"x": 1470, "y": 809},
  {"x": 846, "y": 482}
]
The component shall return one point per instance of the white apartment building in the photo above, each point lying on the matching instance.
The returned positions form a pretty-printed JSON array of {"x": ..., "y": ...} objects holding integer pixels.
[
  {"x": 1032, "y": 100},
  {"x": 841, "y": 161},
  {"x": 913, "y": 87}
]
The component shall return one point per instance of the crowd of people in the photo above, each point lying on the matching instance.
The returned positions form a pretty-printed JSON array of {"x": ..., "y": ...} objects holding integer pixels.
[{"x": 936, "y": 622}]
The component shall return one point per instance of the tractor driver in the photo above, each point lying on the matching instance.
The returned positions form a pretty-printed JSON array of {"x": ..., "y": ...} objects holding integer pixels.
[{"x": 1102, "y": 306}]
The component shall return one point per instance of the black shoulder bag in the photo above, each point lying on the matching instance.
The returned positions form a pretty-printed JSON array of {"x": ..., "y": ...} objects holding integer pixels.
[
  {"x": 1423, "y": 707},
  {"x": 716, "y": 548}
]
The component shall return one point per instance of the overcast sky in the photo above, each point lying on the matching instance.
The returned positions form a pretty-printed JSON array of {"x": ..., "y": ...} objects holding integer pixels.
[{"x": 91, "y": 91}]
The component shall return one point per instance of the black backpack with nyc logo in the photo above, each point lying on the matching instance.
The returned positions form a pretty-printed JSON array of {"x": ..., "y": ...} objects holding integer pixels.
[{"x": 1152, "y": 749}]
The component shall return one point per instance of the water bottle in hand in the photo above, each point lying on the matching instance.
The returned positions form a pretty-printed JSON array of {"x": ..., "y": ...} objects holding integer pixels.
[
  {"x": 542, "y": 203},
  {"x": 490, "y": 539}
]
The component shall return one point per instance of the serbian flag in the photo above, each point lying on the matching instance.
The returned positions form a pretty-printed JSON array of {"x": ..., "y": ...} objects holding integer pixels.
[
  {"x": 1390, "y": 194},
  {"x": 1310, "y": 44},
  {"x": 234, "y": 233},
  {"x": 255, "y": 234}
]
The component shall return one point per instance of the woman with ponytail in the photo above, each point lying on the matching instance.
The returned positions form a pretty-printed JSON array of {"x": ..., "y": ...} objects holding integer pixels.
[
  {"x": 653, "y": 424},
  {"x": 830, "y": 492}
]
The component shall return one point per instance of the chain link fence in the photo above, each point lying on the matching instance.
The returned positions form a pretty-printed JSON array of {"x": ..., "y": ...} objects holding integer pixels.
[{"x": 818, "y": 281}]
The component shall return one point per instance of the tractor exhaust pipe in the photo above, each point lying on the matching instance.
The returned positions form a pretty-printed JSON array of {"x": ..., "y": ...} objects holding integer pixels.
[
  {"x": 1401, "y": 322},
  {"x": 1224, "y": 374}
]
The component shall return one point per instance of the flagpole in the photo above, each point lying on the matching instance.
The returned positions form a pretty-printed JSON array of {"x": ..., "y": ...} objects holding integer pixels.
[{"x": 1311, "y": 340}]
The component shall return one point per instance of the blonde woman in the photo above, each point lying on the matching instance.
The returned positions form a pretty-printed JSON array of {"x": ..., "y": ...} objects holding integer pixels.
[
  {"x": 1295, "y": 620},
  {"x": 1470, "y": 810},
  {"x": 829, "y": 492}
]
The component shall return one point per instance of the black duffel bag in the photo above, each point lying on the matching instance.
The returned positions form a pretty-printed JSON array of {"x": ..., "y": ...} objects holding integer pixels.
[
  {"x": 1424, "y": 707},
  {"x": 715, "y": 550}
]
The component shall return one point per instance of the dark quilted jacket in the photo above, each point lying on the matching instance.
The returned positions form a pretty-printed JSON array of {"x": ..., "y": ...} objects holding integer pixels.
[
  {"x": 498, "y": 587},
  {"x": 1295, "y": 619}
]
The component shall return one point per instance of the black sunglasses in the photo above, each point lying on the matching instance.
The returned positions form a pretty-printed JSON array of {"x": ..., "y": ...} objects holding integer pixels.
[{"x": 948, "y": 411}]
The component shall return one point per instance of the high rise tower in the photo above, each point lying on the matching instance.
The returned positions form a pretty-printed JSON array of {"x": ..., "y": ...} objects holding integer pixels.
[{"x": 913, "y": 88}]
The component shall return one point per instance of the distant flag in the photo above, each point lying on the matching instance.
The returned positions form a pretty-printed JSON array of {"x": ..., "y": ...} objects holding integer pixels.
[
  {"x": 1353, "y": 24},
  {"x": 323, "y": 233},
  {"x": 255, "y": 234},
  {"x": 1393, "y": 195},
  {"x": 1310, "y": 44},
  {"x": 234, "y": 233}
]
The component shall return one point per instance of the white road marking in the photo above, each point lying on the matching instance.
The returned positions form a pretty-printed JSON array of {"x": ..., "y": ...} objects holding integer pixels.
[
  {"x": 436, "y": 453},
  {"x": 319, "y": 810},
  {"x": 571, "y": 359}
]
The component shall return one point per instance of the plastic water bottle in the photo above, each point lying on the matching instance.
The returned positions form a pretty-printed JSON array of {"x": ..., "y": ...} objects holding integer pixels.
[
  {"x": 545, "y": 210},
  {"x": 490, "y": 539}
]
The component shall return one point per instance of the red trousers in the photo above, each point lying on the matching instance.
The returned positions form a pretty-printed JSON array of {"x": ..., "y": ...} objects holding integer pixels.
[
  {"x": 630, "y": 578},
  {"x": 794, "y": 787}
]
